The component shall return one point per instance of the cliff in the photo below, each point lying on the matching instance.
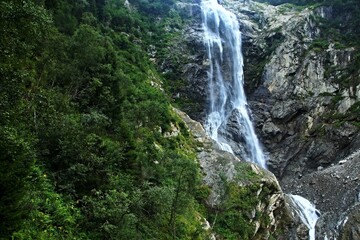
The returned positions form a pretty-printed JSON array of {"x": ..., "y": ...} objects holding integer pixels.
[
  {"x": 303, "y": 93},
  {"x": 245, "y": 201},
  {"x": 93, "y": 147}
]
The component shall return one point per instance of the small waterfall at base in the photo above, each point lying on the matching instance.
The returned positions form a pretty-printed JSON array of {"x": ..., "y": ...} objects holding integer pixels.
[
  {"x": 222, "y": 39},
  {"x": 307, "y": 213}
]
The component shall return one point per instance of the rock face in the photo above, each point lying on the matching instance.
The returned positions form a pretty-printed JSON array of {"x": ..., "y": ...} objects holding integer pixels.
[
  {"x": 185, "y": 61},
  {"x": 335, "y": 191},
  {"x": 351, "y": 225},
  {"x": 296, "y": 91},
  {"x": 222, "y": 169}
]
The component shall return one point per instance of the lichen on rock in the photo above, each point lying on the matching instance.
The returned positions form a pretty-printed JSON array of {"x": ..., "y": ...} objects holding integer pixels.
[{"x": 246, "y": 201}]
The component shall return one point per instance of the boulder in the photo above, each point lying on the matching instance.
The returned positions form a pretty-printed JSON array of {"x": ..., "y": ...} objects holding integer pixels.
[{"x": 223, "y": 170}]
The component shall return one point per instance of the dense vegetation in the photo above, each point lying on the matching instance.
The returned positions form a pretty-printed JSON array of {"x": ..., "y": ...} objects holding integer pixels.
[
  {"x": 85, "y": 130},
  {"x": 90, "y": 147}
]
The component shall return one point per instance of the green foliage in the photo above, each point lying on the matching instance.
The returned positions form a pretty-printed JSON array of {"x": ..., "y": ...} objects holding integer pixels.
[
  {"x": 17, "y": 158},
  {"x": 24, "y": 30},
  {"x": 232, "y": 221},
  {"x": 153, "y": 7},
  {"x": 83, "y": 124},
  {"x": 319, "y": 45},
  {"x": 234, "y": 218},
  {"x": 48, "y": 215},
  {"x": 109, "y": 214}
]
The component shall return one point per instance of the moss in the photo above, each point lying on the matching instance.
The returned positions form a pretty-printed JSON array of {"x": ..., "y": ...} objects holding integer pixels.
[
  {"x": 286, "y": 7},
  {"x": 336, "y": 119},
  {"x": 339, "y": 45},
  {"x": 253, "y": 73},
  {"x": 231, "y": 220},
  {"x": 245, "y": 173},
  {"x": 336, "y": 99},
  {"x": 235, "y": 216},
  {"x": 319, "y": 44}
]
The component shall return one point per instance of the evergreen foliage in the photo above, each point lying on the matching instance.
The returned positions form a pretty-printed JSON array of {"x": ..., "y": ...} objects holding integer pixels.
[
  {"x": 84, "y": 145},
  {"x": 82, "y": 126}
]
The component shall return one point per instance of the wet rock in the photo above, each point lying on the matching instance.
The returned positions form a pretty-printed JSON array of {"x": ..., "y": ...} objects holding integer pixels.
[
  {"x": 220, "y": 167},
  {"x": 351, "y": 227},
  {"x": 183, "y": 61},
  {"x": 336, "y": 190},
  {"x": 291, "y": 88}
]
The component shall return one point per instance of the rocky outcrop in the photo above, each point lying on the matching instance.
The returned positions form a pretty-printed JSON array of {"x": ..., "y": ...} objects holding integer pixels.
[
  {"x": 184, "y": 62},
  {"x": 351, "y": 225},
  {"x": 222, "y": 169},
  {"x": 294, "y": 85},
  {"x": 293, "y": 100},
  {"x": 297, "y": 95},
  {"x": 298, "y": 85},
  {"x": 335, "y": 191}
]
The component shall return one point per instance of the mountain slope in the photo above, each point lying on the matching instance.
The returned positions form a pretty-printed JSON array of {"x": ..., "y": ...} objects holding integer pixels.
[
  {"x": 91, "y": 147},
  {"x": 302, "y": 78}
]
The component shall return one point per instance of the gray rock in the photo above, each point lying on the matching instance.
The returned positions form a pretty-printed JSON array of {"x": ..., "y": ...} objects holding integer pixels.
[
  {"x": 219, "y": 166},
  {"x": 291, "y": 87},
  {"x": 284, "y": 111},
  {"x": 270, "y": 129},
  {"x": 335, "y": 189},
  {"x": 351, "y": 228}
]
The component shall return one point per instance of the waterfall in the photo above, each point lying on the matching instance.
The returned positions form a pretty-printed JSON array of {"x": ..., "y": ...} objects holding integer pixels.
[
  {"x": 222, "y": 39},
  {"x": 307, "y": 213}
]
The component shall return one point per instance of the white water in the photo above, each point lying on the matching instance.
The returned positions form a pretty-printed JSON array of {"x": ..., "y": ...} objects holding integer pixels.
[
  {"x": 307, "y": 213},
  {"x": 222, "y": 39}
]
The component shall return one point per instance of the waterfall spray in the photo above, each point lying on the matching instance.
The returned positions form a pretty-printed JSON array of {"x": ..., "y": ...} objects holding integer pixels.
[
  {"x": 222, "y": 39},
  {"x": 307, "y": 213}
]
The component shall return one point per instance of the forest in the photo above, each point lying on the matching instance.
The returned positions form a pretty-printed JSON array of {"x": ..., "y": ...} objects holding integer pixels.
[
  {"x": 83, "y": 152},
  {"x": 84, "y": 125}
]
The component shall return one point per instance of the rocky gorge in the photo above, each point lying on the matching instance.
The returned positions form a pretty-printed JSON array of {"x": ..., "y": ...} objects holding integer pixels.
[{"x": 303, "y": 101}]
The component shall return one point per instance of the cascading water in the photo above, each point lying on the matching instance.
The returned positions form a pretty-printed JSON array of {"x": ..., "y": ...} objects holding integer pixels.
[
  {"x": 307, "y": 213},
  {"x": 222, "y": 39}
]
